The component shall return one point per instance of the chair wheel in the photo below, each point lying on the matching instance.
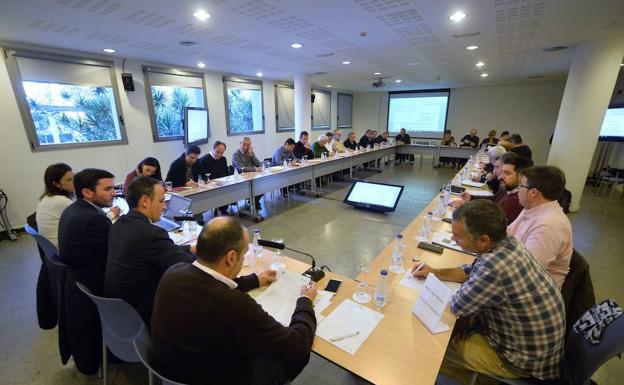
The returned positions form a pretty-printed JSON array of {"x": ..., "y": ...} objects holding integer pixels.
[{"x": 258, "y": 220}]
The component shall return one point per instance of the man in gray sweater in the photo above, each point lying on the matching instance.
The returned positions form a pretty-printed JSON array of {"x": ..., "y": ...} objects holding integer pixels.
[{"x": 245, "y": 160}]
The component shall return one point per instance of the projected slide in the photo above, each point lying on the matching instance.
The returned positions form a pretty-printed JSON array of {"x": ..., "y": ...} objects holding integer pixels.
[
  {"x": 422, "y": 114},
  {"x": 197, "y": 125},
  {"x": 613, "y": 124}
]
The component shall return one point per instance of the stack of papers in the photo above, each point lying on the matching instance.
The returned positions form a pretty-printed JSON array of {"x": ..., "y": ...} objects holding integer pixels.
[
  {"x": 349, "y": 325},
  {"x": 473, "y": 184},
  {"x": 280, "y": 299},
  {"x": 480, "y": 193}
]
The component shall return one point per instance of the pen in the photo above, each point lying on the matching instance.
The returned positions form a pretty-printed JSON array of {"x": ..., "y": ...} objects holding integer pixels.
[
  {"x": 419, "y": 267},
  {"x": 342, "y": 337}
]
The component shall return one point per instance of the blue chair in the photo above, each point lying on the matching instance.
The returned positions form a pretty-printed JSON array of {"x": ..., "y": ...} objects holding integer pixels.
[
  {"x": 143, "y": 348},
  {"x": 48, "y": 248},
  {"x": 582, "y": 359},
  {"x": 121, "y": 324}
]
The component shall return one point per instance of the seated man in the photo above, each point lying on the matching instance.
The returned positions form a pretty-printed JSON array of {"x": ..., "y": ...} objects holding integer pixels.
[
  {"x": 302, "y": 147},
  {"x": 215, "y": 164},
  {"x": 319, "y": 147},
  {"x": 403, "y": 138},
  {"x": 490, "y": 141},
  {"x": 518, "y": 311},
  {"x": 245, "y": 160},
  {"x": 350, "y": 143},
  {"x": 366, "y": 140},
  {"x": 507, "y": 196},
  {"x": 470, "y": 140},
  {"x": 519, "y": 147},
  {"x": 185, "y": 170},
  {"x": 542, "y": 226},
  {"x": 383, "y": 138},
  {"x": 492, "y": 178},
  {"x": 284, "y": 153},
  {"x": 336, "y": 144},
  {"x": 207, "y": 330},
  {"x": 139, "y": 252},
  {"x": 448, "y": 140}
]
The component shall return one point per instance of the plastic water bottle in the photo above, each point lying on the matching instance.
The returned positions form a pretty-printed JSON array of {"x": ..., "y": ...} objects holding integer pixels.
[
  {"x": 285, "y": 164},
  {"x": 257, "y": 249},
  {"x": 192, "y": 225},
  {"x": 235, "y": 173},
  {"x": 381, "y": 290},
  {"x": 447, "y": 193},
  {"x": 397, "y": 255}
]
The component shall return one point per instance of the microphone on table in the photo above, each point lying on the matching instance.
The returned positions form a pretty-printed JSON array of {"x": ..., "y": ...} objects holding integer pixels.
[
  {"x": 189, "y": 218},
  {"x": 315, "y": 273}
]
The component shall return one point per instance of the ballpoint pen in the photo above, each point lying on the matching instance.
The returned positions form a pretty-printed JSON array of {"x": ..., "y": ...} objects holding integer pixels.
[{"x": 342, "y": 337}]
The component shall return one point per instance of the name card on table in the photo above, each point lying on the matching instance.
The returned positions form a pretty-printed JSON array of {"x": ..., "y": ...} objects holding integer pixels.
[{"x": 433, "y": 299}]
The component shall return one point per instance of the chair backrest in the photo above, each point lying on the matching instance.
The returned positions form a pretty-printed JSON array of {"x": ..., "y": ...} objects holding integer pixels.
[
  {"x": 577, "y": 290},
  {"x": 121, "y": 324},
  {"x": 143, "y": 348},
  {"x": 582, "y": 359},
  {"x": 48, "y": 248}
]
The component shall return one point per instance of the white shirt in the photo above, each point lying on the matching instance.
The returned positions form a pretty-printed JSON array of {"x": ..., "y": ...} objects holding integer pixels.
[
  {"x": 49, "y": 210},
  {"x": 216, "y": 275}
]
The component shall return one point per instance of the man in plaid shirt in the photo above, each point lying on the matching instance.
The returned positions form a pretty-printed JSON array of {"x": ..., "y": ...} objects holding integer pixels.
[{"x": 516, "y": 304}]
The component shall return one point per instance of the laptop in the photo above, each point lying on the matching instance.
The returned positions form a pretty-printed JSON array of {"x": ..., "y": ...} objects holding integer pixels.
[{"x": 176, "y": 206}]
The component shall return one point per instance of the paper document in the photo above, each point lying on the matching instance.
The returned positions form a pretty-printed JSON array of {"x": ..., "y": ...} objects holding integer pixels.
[
  {"x": 349, "y": 325},
  {"x": 431, "y": 304},
  {"x": 480, "y": 193},
  {"x": 473, "y": 184},
  {"x": 280, "y": 298},
  {"x": 322, "y": 302},
  {"x": 418, "y": 284},
  {"x": 276, "y": 168}
]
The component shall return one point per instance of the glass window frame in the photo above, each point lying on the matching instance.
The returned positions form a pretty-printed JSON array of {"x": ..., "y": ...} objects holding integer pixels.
[
  {"x": 236, "y": 79},
  {"x": 277, "y": 129},
  {"x": 16, "y": 80},
  {"x": 150, "y": 101},
  {"x": 338, "y": 110},
  {"x": 329, "y": 112}
]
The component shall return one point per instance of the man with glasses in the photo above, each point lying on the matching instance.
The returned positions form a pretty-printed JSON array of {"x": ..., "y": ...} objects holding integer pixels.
[{"x": 542, "y": 226}]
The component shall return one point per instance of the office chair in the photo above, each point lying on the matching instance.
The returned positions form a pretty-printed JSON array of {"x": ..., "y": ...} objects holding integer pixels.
[
  {"x": 121, "y": 324},
  {"x": 143, "y": 349},
  {"x": 581, "y": 358}
]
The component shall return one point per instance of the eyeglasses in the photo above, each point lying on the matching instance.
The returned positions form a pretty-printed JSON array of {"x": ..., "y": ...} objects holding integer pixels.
[{"x": 526, "y": 187}]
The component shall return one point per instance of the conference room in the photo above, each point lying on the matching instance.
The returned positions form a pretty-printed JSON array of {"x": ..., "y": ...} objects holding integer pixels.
[{"x": 412, "y": 115}]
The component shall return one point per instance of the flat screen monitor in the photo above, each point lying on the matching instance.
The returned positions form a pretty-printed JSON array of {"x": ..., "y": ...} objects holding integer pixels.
[
  {"x": 195, "y": 125},
  {"x": 374, "y": 196},
  {"x": 613, "y": 125}
]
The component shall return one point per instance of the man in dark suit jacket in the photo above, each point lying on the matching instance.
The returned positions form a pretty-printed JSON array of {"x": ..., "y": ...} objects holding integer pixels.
[
  {"x": 215, "y": 164},
  {"x": 83, "y": 246},
  {"x": 84, "y": 228},
  {"x": 139, "y": 252},
  {"x": 302, "y": 147},
  {"x": 366, "y": 139},
  {"x": 206, "y": 330},
  {"x": 185, "y": 170}
]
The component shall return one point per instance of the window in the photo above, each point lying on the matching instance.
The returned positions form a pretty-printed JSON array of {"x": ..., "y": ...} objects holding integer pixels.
[
  {"x": 243, "y": 104},
  {"x": 321, "y": 110},
  {"x": 284, "y": 108},
  {"x": 65, "y": 101},
  {"x": 345, "y": 110},
  {"x": 168, "y": 92}
]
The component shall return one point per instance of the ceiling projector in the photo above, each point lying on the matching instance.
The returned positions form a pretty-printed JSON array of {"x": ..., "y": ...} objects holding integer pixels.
[{"x": 379, "y": 83}]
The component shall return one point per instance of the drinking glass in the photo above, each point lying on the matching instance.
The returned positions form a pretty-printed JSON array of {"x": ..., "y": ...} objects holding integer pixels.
[
  {"x": 362, "y": 295},
  {"x": 278, "y": 263}
]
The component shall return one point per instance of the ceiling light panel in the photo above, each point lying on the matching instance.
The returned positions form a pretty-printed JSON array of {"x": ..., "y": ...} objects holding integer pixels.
[
  {"x": 201, "y": 15},
  {"x": 457, "y": 16}
]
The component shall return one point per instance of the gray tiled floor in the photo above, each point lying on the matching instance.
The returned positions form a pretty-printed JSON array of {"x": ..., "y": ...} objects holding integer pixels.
[{"x": 336, "y": 235}]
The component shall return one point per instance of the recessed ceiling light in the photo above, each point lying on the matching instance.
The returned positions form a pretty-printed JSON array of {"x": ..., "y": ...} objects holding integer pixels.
[
  {"x": 480, "y": 64},
  {"x": 457, "y": 16},
  {"x": 472, "y": 47},
  {"x": 201, "y": 15},
  {"x": 259, "y": 74},
  {"x": 376, "y": 73},
  {"x": 484, "y": 75},
  {"x": 622, "y": 65},
  {"x": 109, "y": 50},
  {"x": 296, "y": 45},
  {"x": 328, "y": 86},
  {"x": 415, "y": 63},
  {"x": 398, "y": 81},
  {"x": 201, "y": 65},
  {"x": 346, "y": 62}
]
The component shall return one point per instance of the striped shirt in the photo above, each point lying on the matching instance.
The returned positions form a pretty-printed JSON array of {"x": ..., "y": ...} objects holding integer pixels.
[{"x": 519, "y": 307}]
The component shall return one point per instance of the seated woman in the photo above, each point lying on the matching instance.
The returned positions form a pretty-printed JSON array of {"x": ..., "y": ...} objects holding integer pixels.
[
  {"x": 58, "y": 194},
  {"x": 147, "y": 167}
]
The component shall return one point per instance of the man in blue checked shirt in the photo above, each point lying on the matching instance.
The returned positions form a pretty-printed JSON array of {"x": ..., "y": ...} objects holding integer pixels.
[{"x": 514, "y": 301}]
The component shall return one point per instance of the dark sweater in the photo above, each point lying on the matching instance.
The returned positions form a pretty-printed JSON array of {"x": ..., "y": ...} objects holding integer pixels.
[
  {"x": 177, "y": 171},
  {"x": 205, "y": 333},
  {"x": 300, "y": 150},
  {"x": 216, "y": 168},
  {"x": 350, "y": 145},
  {"x": 470, "y": 141},
  {"x": 365, "y": 141},
  {"x": 508, "y": 202}
]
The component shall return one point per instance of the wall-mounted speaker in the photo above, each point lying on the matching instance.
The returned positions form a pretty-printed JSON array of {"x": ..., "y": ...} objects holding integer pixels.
[
  {"x": 313, "y": 97},
  {"x": 128, "y": 83}
]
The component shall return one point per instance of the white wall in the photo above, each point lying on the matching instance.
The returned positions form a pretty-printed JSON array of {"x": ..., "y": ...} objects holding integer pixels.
[
  {"x": 530, "y": 110},
  {"x": 21, "y": 170}
]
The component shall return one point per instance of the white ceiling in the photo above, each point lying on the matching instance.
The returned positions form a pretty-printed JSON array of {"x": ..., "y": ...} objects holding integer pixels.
[{"x": 247, "y": 36}]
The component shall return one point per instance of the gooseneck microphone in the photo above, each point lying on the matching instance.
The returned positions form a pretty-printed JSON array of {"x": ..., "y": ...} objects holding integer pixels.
[{"x": 315, "y": 273}]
